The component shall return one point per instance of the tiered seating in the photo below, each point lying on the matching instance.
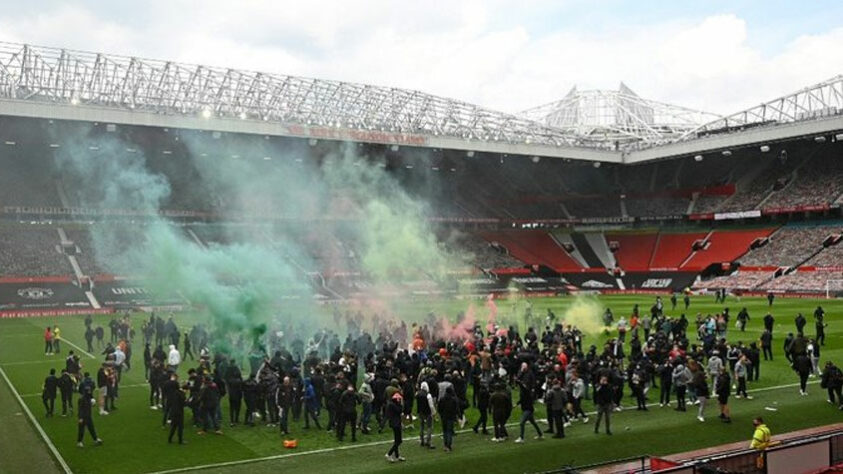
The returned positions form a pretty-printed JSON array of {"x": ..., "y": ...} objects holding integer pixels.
[
  {"x": 484, "y": 254},
  {"x": 741, "y": 280},
  {"x": 635, "y": 250},
  {"x": 534, "y": 247},
  {"x": 594, "y": 207},
  {"x": 818, "y": 182},
  {"x": 31, "y": 251},
  {"x": 725, "y": 246},
  {"x": 829, "y": 257},
  {"x": 789, "y": 246},
  {"x": 657, "y": 206},
  {"x": 673, "y": 249},
  {"x": 814, "y": 282}
]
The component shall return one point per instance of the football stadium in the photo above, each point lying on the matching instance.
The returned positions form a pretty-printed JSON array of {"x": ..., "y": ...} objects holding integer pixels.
[{"x": 215, "y": 269}]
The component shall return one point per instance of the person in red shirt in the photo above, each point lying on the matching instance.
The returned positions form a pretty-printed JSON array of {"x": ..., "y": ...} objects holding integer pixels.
[{"x": 48, "y": 341}]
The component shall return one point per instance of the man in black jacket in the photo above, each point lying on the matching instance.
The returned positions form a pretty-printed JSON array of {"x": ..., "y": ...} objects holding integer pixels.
[
  {"x": 48, "y": 395},
  {"x": 603, "y": 397},
  {"x": 449, "y": 407},
  {"x": 767, "y": 344},
  {"x": 83, "y": 413},
  {"x": 347, "y": 413},
  {"x": 482, "y": 396},
  {"x": 65, "y": 385},
  {"x": 176, "y": 409},
  {"x": 209, "y": 399},
  {"x": 527, "y": 402},
  {"x": 501, "y": 403}
]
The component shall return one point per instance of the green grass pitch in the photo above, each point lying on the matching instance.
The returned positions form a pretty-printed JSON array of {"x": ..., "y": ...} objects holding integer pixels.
[{"x": 136, "y": 443}]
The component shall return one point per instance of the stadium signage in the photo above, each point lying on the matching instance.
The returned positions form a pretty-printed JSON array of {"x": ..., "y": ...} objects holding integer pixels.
[{"x": 719, "y": 216}]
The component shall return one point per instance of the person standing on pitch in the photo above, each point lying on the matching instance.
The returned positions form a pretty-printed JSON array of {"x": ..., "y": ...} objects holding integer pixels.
[
  {"x": 426, "y": 410},
  {"x": 48, "y": 394},
  {"x": 603, "y": 399},
  {"x": 176, "y": 412},
  {"x": 448, "y": 412},
  {"x": 48, "y": 341},
  {"x": 65, "y": 385},
  {"x": 56, "y": 339},
  {"x": 394, "y": 412},
  {"x": 83, "y": 413}
]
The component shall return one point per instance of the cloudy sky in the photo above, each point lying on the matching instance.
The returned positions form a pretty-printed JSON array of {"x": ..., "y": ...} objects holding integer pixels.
[{"x": 719, "y": 56}]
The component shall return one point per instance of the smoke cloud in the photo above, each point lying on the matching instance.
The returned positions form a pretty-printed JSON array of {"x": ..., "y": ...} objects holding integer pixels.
[
  {"x": 343, "y": 212},
  {"x": 585, "y": 313}
]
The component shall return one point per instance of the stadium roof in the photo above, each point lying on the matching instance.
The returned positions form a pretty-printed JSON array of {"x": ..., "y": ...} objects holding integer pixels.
[
  {"x": 611, "y": 126},
  {"x": 618, "y": 118}
]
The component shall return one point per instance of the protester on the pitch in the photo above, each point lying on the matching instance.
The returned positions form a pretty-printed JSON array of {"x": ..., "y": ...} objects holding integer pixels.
[
  {"x": 501, "y": 403},
  {"x": 802, "y": 366},
  {"x": 367, "y": 396},
  {"x": 741, "y": 371},
  {"x": 56, "y": 339},
  {"x": 681, "y": 378},
  {"x": 175, "y": 407},
  {"x": 173, "y": 359},
  {"x": 394, "y": 412},
  {"x": 700, "y": 383},
  {"x": 832, "y": 381},
  {"x": 603, "y": 400},
  {"x": 723, "y": 389},
  {"x": 66, "y": 387},
  {"x": 348, "y": 413},
  {"x": 209, "y": 399},
  {"x": 482, "y": 395},
  {"x": 448, "y": 409},
  {"x": 48, "y": 341},
  {"x": 556, "y": 399},
  {"x": 48, "y": 392},
  {"x": 311, "y": 408},
  {"x": 426, "y": 410},
  {"x": 527, "y": 403},
  {"x": 83, "y": 413}
]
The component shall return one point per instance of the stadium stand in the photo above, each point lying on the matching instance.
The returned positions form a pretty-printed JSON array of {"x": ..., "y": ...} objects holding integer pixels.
[
  {"x": 788, "y": 246},
  {"x": 740, "y": 280},
  {"x": 656, "y": 206},
  {"x": 672, "y": 249},
  {"x": 819, "y": 182},
  {"x": 23, "y": 171},
  {"x": 828, "y": 257},
  {"x": 595, "y": 206},
  {"x": 724, "y": 246},
  {"x": 634, "y": 251},
  {"x": 534, "y": 247},
  {"x": 802, "y": 281},
  {"x": 31, "y": 251}
]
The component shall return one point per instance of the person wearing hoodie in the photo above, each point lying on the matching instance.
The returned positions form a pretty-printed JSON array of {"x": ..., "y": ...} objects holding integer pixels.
[
  {"x": 311, "y": 405},
  {"x": 426, "y": 409},
  {"x": 367, "y": 396},
  {"x": 173, "y": 358},
  {"x": 715, "y": 364},
  {"x": 501, "y": 403},
  {"x": 482, "y": 396},
  {"x": 394, "y": 411},
  {"x": 681, "y": 378},
  {"x": 449, "y": 408},
  {"x": 556, "y": 399},
  {"x": 527, "y": 403}
]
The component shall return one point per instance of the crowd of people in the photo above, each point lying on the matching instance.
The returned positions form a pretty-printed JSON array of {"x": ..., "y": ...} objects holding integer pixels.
[{"x": 427, "y": 374}]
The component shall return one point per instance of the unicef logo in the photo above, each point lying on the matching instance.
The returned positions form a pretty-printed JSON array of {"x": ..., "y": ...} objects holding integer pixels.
[{"x": 35, "y": 293}]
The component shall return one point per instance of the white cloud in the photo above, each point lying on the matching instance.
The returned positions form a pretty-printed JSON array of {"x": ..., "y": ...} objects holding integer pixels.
[{"x": 466, "y": 50}]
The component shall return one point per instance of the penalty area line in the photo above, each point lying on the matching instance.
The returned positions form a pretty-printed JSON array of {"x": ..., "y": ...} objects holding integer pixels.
[
  {"x": 379, "y": 443},
  {"x": 37, "y": 425}
]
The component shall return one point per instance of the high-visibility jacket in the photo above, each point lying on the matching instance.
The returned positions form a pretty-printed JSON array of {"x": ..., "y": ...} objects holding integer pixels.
[{"x": 761, "y": 438}]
